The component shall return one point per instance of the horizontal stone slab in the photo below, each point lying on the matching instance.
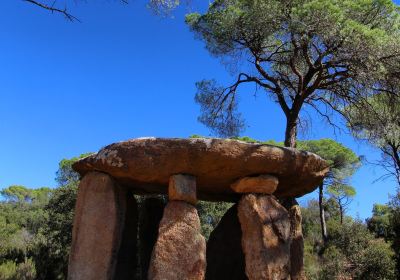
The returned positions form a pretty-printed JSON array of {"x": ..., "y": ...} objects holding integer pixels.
[{"x": 146, "y": 164}]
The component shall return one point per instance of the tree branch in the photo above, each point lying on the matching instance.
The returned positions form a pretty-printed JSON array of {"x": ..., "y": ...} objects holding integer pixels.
[{"x": 53, "y": 9}]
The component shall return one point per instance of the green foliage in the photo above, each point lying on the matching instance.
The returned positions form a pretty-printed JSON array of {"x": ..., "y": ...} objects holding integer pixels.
[
  {"x": 26, "y": 270},
  {"x": 312, "y": 262},
  {"x": 10, "y": 270},
  {"x": 210, "y": 213},
  {"x": 366, "y": 257},
  {"x": 333, "y": 264},
  {"x": 21, "y": 194},
  {"x": 310, "y": 221},
  {"x": 65, "y": 174},
  {"x": 21, "y": 217},
  {"x": 163, "y": 7},
  {"x": 340, "y": 190},
  {"x": 377, "y": 120},
  {"x": 395, "y": 227},
  {"x": 54, "y": 240},
  {"x": 317, "y": 52},
  {"x": 343, "y": 161},
  {"x": 380, "y": 222},
  {"x": 351, "y": 251},
  {"x": 36, "y": 227},
  {"x": 375, "y": 262}
]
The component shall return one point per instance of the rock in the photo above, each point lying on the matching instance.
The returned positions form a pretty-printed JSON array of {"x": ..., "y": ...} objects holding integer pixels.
[
  {"x": 180, "y": 250},
  {"x": 127, "y": 263},
  {"x": 145, "y": 165},
  {"x": 151, "y": 212},
  {"x": 265, "y": 237},
  {"x": 225, "y": 258},
  {"x": 297, "y": 243},
  {"x": 97, "y": 231},
  {"x": 265, "y": 184},
  {"x": 183, "y": 188}
]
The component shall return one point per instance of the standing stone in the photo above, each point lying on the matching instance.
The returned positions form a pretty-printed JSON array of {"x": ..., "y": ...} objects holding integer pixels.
[
  {"x": 180, "y": 251},
  {"x": 297, "y": 242},
  {"x": 265, "y": 237},
  {"x": 97, "y": 230},
  {"x": 225, "y": 259},
  {"x": 127, "y": 266},
  {"x": 151, "y": 212}
]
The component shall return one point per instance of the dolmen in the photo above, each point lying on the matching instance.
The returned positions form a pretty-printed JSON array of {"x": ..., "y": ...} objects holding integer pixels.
[{"x": 259, "y": 238}]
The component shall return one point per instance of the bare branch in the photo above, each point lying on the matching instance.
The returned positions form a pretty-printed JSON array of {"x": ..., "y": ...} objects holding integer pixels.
[{"x": 53, "y": 9}]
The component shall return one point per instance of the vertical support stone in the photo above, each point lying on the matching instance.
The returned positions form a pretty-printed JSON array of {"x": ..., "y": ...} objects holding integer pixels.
[
  {"x": 297, "y": 242},
  {"x": 151, "y": 213},
  {"x": 225, "y": 258},
  {"x": 127, "y": 265},
  {"x": 98, "y": 225},
  {"x": 265, "y": 237},
  {"x": 180, "y": 250}
]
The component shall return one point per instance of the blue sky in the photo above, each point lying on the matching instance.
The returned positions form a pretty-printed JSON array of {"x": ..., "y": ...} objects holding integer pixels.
[{"x": 70, "y": 88}]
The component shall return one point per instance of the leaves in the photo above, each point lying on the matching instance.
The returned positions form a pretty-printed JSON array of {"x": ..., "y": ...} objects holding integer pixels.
[
  {"x": 377, "y": 120},
  {"x": 323, "y": 53}
]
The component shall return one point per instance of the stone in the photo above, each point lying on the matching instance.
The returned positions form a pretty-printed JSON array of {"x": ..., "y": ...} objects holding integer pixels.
[
  {"x": 265, "y": 184},
  {"x": 265, "y": 228},
  {"x": 180, "y": 250},
  {"x": 297, "y": 242},
  {"x": 145, "y": 165},
  {"x": 151, "y": 212},
  {"x": 98, "y": 227},
  {"x": 182, "y": 187},
  {"x": 127, "y": 262},
  {"x": 225, "y": 258}
]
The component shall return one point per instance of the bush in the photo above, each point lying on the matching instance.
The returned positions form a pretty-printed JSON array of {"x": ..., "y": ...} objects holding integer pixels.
[
  {"x": 366, "y": 258},
  {"x": 375, "y": 262},
  {"x": 334, "y": 264},
  {"x": 8, "y": 270},
  {"x": 312, "y": 265},
  {"x": 26, "y": 270}
]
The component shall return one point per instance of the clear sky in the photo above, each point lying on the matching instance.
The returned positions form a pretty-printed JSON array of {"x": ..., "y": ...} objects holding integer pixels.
[{"x": 71, "y": 88}]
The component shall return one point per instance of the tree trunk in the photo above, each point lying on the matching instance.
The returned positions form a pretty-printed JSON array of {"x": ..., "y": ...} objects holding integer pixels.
[
  {"x": 322, "y": 214},
  {"x": 291, "y": 132},
  {"x": 341, "y": 213},
  {"x": 297, "y": 244}
]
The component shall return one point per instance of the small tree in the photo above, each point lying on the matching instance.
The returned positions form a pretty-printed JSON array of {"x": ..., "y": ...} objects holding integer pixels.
[
  {"x": 65, "y": 175},
  {"x": 343, "y": 195},
  {"x": 380, "y": 222},
  {"x": 343, "y": 162}
]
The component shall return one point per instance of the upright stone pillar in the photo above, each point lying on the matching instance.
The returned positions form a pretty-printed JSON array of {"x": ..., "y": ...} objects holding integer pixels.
[
  {"x": 265, "y": 228},
  {"x": 266, "y": 237},
  {"x": 180, "y": 250},
  {"x": 98, "y": 226},
  {"x": 297, "y": 242}
]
